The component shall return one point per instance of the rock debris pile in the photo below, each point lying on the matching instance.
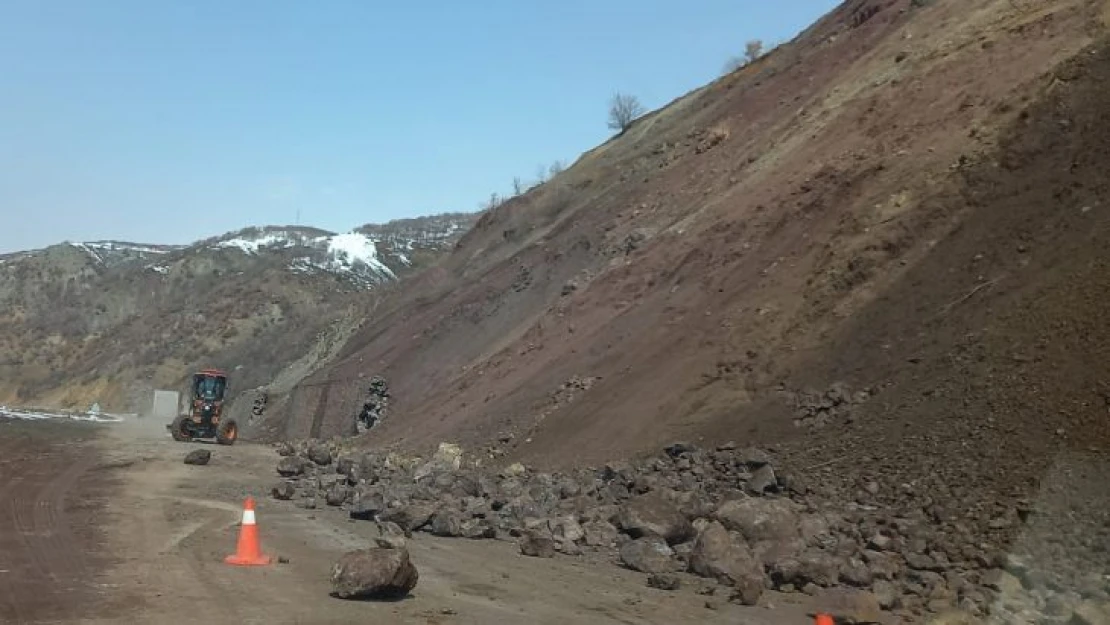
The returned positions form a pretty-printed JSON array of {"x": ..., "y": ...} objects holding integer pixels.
[{"x": 720, "y": 521}]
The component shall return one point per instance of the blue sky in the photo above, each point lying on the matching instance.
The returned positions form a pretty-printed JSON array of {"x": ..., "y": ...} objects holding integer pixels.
[{"x": 169, "y": 121}]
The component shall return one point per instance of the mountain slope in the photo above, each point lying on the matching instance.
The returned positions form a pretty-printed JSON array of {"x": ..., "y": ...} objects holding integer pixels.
[
  {"x": 109, "y": 321},
  {"x": 688, "y": 277}
]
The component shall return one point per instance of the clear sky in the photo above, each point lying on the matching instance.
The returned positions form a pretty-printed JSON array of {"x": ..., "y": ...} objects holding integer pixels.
[{"x": 169, "y": 121}]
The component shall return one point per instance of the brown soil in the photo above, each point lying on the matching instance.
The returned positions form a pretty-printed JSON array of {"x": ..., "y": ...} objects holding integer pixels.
[
  {"x": 909, "y": 203},
  {"x": 52, "y": 504}
]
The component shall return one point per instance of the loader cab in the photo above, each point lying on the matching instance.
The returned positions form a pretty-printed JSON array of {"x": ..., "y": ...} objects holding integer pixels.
[{"x": 209, "y": 385}]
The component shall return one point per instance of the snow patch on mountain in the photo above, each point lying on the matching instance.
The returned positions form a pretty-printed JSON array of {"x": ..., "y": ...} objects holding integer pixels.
[
  {"x": 351, "y": 255},
  {"x": 352, "y": 248},
  {"x": 252, "y": 246},
  {"x": 108, "y": 253}
]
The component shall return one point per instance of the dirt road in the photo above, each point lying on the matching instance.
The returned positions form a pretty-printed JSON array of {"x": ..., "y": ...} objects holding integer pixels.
[
  {"x": 49, "y": 515},
  {"x": 76, "y": 495}
]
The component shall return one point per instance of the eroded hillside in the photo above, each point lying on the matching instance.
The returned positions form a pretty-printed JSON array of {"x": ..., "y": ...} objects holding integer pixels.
[{"x": 726, "y": 266}]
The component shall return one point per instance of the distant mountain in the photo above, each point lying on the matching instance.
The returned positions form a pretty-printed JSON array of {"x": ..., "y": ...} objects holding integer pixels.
[{"x": 108, "y": 321}]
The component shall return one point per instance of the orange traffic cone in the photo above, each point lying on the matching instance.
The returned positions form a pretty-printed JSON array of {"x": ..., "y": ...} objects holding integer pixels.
[
  {"x": 823, "y": 619},
  {"x": 248, "y": 553}
]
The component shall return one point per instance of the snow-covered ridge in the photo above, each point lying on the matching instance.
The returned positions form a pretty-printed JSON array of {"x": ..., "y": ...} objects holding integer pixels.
[
  {"x": 350, "y": 253},
  {"x": 119, "y": 246},
  {"x": 365, "y": 257},
  {"x": 109, "y": 252}
]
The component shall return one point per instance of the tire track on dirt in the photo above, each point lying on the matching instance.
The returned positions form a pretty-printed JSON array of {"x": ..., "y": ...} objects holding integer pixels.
[
  {"x": 22, "y": 521},
  {"x": 9, "y": 610},
  {"x": 60, "y": 546},
  {"x": 48, "y": 567}
]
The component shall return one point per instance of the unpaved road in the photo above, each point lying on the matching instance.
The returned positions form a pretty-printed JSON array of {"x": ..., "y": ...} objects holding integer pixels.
[
  {"x": 49, "y": 489},
  {"x": 106, "y": 525}
]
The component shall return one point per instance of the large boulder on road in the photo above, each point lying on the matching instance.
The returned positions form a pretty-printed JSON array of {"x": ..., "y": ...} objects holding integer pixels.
[
  {"x": 760, "y": 519},
  {"x": 654, "y": 515},
  {"x": 366, "y": 503},
  {"x": 290, "y": 466},
  {"x": 648, "y": 555},
  {"x": 446, "y": 460},
  {"x": 344, "y": 466},
  {"x": 337, "y": 495},
  {"x": 198, "y": 457},
  {"x": 717, "y": 555},
  {"x": 537, "y": 544},
  {"x": 374, "y": 574},
  {"x": 599, "y": 533},
  {"x": 411, "y": 517},
  {"x": 447, "y": 523},
  {"x": 284, "y": 491},
  {"x": 320, "y": 454}
]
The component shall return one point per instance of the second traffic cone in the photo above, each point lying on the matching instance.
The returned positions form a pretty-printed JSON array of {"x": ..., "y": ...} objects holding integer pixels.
[
  {"x": 824, "y": 619},
  {"x": 248, "y": 552}
]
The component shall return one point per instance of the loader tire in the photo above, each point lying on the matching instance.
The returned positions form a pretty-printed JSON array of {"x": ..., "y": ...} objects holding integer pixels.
[
  {"x": 177, "y": 430},
  {"x": 227, "y": 432}
]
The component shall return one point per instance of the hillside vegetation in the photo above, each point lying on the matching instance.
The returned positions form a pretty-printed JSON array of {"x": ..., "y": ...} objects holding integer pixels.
[{"x": 108, "y": 322}]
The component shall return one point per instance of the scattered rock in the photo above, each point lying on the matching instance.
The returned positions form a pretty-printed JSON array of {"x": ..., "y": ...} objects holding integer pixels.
[
  {"x": 653, "y": 515},
  {"x": 717, "y": 555},
  {"x": 366, "y": 504},
  {"x": 284, "y": 491},
  {"x": 290, "y": 466},
  {"x": 320, "y": 454},
  {"x": 813, "y": 567},
  {"x": 599, "y": 534},
  {"x": 664, "y": 581},
  {"x": 411, "y": 517},
  {"x": 748, "y": 589},
  {"x": 648, "y": 555},
  {"x": 763, "y": 480},
  {"x": 537, "y": 545},
  {"x": 199, "y": 457},
  {"x": 514, "y": 470},
  {"x": 390, "y": 536},
  {"x": 1003, "y": 582},
  {"x": 374, "y": 574},
  {"x": 566, "y": 529},
  {"x": 337, "y": 495},
  {"x": 856, "y": 574},
  {"x": 760, "y": 519},
  {"x": 447, "y": 523},
  {"x": 447, "y": 458},
  {"x": 885, "y": 593},
  {"x": 345, "y": 466}
]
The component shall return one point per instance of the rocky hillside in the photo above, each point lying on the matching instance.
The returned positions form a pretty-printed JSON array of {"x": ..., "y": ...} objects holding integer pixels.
[
  {"x": 842, "y": 229},
  {"x": 879, "y": 254},
  {"x": 109, "y": 321}
]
